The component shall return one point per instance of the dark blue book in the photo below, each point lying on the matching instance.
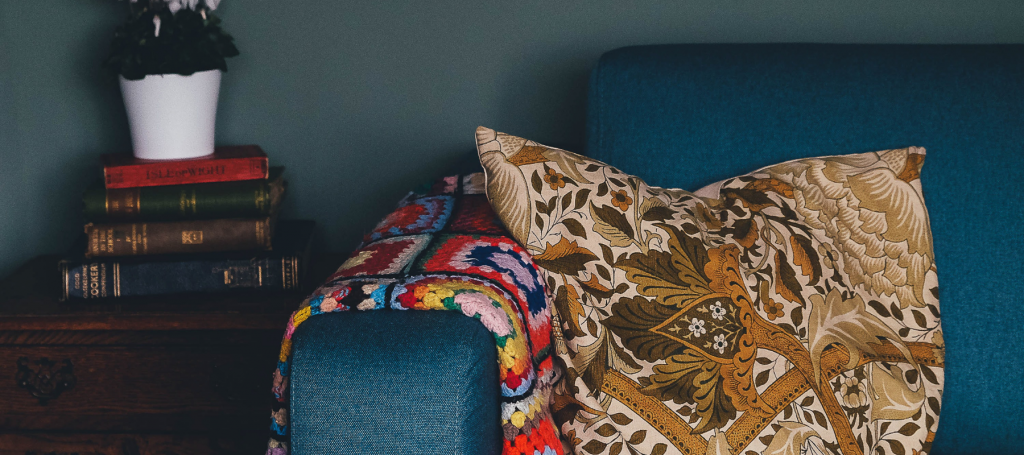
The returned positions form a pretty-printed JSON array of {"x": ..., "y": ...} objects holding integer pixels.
[{"x": 279, "y": 269}]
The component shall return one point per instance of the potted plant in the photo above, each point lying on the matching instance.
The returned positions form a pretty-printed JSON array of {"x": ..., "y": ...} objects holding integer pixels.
[{"x": 169, "y": 56}]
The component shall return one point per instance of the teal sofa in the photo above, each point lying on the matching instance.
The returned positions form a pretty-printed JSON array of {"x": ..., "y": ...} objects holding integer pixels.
[{"x": 686, "y": 115}]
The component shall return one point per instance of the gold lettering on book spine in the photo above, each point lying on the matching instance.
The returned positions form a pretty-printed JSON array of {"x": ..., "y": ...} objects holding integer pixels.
[
  {"x": 93, "y": 243},
  {"x": 103, "y": 280},
  {"x": 123, "y": 201},
  {"x": 187, "y": 202},
  {"x": 289, "y": 272},
  {"x": 63, "y": 267},
  {"x": 191, "y": 237},
  {"x": 134, "y": 239},
  {"x": 263, "y": 234},
  {"x": 261, "y": 198},
  {"x": 284, "y": 273},
  {"x": 117, "y": 279},
  {"x": 94, "y": 285}
]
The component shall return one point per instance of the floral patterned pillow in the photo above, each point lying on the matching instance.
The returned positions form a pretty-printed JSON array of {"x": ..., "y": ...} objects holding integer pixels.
[{"x": 791, "y": 309}]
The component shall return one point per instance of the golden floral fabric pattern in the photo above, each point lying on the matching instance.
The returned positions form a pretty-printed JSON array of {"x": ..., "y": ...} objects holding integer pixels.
[{"x": 790, "y": 310}]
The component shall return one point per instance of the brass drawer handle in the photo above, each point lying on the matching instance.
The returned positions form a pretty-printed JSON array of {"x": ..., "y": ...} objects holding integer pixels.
[{"x": 47, "y": 379}]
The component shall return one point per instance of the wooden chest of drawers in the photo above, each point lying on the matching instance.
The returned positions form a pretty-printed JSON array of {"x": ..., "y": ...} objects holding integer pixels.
[{"x": 165, "y": 375}]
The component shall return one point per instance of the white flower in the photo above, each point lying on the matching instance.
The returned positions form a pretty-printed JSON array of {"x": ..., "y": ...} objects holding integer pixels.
[
  {"x": 697, "y": 327},
  {"x": 717, "y": 311},
  {"x": 720, "y": 344},
  {"x": 212, "y": 4},
  {"x": 177, "y": 5}
]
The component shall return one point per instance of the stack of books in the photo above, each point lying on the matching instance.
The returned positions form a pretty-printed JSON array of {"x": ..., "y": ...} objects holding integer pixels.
[{"x": 201, "y": 225}]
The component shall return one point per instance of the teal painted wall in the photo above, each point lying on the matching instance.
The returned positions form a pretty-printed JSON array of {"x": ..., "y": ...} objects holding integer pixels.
[{"x": 363, "y": 99}]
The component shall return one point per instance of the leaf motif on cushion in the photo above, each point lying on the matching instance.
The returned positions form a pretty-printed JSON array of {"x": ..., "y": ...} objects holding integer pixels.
[
  {"x": 752, "y": 199},
  {"x": 654, "y": 209},
  {"x": 893, "y": 399},
  {"x": 567, "y": 162},
  {"x": 806, "y": 257},
  {"x": 791, "y": 438},
  {"x": 670, "y": 277},
  {"x": 878, "y": 221},
  {"x": 564, "y": 257},
  {"x": 719, "y": 445},
  {"x": 632, "y": 320},
  {"x": 786, "y": 283},
  {"x": 528, "y": 155},
  {"x": 612, "y": 225},
  {"x": 835, "y": 319},
  {"x": 567, "y": 303},
  {"x": 507, "y": 191},
  {"x": 691, "y": 378},
  {"x": 600, "y": 355},
  {"x": 594, "y": 287}
]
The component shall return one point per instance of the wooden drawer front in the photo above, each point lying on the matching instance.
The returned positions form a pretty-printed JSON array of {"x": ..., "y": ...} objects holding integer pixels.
[
  {"x": 129, "y": 444},
  {"x": 129, "y": 389}
]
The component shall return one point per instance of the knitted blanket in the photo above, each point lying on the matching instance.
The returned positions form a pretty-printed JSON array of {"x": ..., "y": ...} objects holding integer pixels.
[{"x": 444, "y": 248}]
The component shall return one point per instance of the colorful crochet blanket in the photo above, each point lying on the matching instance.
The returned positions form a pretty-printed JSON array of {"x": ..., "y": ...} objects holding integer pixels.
[{"x": 444, "y": 248}]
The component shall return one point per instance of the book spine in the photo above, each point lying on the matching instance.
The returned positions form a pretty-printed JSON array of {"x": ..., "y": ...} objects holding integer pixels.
[
  {"x": 106, "y": 279},
  {"x": 248, "y": 199},
  {"x": 134, "y": 239},
  {"x": 185, "y": 172}
]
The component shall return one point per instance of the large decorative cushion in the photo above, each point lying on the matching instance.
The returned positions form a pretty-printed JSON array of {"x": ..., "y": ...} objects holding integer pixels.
[{"x": 791, "y": 309}]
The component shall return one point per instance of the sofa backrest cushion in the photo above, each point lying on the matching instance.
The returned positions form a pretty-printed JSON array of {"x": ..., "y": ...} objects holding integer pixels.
[{"x": 686, "y": 115}]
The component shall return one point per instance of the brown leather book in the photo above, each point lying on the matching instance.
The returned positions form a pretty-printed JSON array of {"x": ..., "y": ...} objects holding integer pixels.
[{"x": 171, "y": 237}]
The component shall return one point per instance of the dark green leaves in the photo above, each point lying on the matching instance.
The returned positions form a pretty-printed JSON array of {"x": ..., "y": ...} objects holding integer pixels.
[
  {"x": 575, "y": 228},
  {"x": 787, "y": 285},
  {"x": 658, "y": 213},
  {"x": 187, "y": 44},
  {"x": 612, "y": 218}
]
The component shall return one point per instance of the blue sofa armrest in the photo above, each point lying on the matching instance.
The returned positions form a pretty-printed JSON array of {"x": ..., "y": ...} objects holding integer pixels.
[{"x": 394, "y": 382}]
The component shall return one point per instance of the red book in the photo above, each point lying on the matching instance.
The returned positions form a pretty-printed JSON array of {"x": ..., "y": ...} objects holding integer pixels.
[{"x": 227, "y": 164}]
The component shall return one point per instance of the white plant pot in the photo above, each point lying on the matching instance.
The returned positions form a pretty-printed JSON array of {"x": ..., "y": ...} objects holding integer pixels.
[{"x": 171, "y": 116}]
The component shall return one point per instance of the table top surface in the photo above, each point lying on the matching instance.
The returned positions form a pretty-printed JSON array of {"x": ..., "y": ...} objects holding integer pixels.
[{"x": 30, "y": 300}]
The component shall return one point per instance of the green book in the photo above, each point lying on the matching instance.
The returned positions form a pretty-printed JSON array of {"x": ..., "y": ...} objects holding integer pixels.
[{"x": 240, "y": 199}]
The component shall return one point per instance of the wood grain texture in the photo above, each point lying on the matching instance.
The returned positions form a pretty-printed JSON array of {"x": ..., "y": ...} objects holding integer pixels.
[
  {"x": 185, "y": 374},
  {"x": 131, "y": 444},
  {"x": 148, "y": 388},
  {"x": 239, "y": 337}
]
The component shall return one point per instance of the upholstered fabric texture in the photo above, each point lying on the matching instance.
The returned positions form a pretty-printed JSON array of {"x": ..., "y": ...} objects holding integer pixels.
[
  {"x": 444, "y": 248},
  {"x": 787, "y": 310},
  {"x": 351, "y": 390}
]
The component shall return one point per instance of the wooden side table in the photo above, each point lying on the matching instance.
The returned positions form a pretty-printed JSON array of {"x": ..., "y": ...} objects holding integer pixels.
[{"x": 161, "y": 375}]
